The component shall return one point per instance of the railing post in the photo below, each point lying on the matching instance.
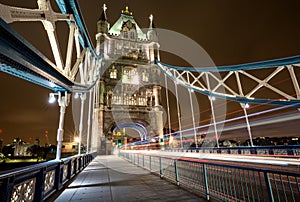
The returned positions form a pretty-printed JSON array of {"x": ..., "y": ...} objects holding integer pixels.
[
  {"x": 150, "y": 164},
  {"x": 133, "y": 158},
  {"x": 69, "y": 176},
  {"x": 269, "y": 187},
  {"x": 205, "y": 182},
  {"x": 80, "y": 163},
  {"x": 160, "y": 168},
  {"x": 58, "y": 181},
  {"x": 40, "y": 184},
  {"x": 176, "y": 172},
  {"x": 8, "y": 185},
  {"x": 143, "y": 161}
]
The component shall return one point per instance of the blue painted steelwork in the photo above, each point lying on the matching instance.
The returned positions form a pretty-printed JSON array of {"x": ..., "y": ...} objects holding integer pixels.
[
  {"x": 289, "y": 103},
  {"x": 72, "y": 7},
  {"x": 19, "y": 58},
  {"x": 38, "y": 182},
  {"x": 247, "y": 66}
]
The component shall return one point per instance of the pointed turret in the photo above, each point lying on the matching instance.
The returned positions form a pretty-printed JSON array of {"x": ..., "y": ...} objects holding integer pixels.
[
  {"x": 151, "y": 34},
  {"x": 103, "y": 24},
  {"x": 126, "y": 27}
]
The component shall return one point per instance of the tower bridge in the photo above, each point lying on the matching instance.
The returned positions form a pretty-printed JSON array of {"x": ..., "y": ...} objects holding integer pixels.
[{"x": 122, "y": 80}]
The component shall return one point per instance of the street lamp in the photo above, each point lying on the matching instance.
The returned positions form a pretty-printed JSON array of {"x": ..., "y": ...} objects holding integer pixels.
[
  {"x": 76, "y": 96},
  {"x": 52, "y": 98},
  {"x": 63, "y": 102}
]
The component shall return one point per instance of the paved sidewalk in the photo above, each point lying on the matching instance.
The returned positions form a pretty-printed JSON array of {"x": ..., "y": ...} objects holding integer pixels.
[{"x": 110, "y": 178}]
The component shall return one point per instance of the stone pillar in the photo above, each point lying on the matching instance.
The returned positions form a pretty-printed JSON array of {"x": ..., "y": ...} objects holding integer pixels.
[
  {"x": 101, "y": 145},
  {"x": 156, "y": 90}
]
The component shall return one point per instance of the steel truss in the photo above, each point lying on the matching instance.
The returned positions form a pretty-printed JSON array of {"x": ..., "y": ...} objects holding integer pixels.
[
  {"x": 87, "y": 63},
  {"x": 242, "y": 83}
]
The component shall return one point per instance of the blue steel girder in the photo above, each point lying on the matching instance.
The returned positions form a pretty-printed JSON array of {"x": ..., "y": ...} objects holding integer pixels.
[
  {"x": 19, "y": 58},
  {"x": 195, "y": 78},
  {"x": 16, "y": 52},
  {"x": 72, "y": 7}
]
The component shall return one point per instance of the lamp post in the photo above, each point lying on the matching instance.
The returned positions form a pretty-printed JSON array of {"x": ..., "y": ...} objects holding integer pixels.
[
  {"x": 82, "y": 98},
  {"x": 89, "y": 121},
  {"x": 63, "y": 102}
]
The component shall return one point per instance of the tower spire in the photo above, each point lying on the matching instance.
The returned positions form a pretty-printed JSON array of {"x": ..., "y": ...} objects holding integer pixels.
[
  {"x": 103, "y": 15},
  {"x": 103, "y": 24},
  {"x": 151, "y": 21},
  {"x": 151, "y": 34}
]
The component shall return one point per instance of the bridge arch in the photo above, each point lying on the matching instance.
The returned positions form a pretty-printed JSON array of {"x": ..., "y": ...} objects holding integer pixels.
[{"x": 140, "y": 128}]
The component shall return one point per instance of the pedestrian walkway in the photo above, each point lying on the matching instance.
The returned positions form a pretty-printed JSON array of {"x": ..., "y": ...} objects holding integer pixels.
[{"x": 111, "y": 178}]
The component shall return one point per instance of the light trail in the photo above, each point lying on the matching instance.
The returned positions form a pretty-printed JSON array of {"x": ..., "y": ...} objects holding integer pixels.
[
  {"x": 242, "y": 117},
  {"x": 222, "y": 157}
]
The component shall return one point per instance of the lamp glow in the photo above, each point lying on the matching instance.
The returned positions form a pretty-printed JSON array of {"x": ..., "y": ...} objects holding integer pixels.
[
  {"x": 76, "y": 139},
  {"x": 52, "y": 98},
  {"x": 76, "y": 96}
]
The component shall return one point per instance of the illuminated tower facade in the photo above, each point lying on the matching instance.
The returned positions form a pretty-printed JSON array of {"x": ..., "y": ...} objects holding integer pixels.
[{"x": 128, "y": 103}]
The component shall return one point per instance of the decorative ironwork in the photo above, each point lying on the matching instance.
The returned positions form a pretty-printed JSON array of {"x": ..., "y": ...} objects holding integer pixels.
[
  {"x": 49, "y": 181},
  {"x": 24, "y": 191},
  {"x": 65, "y": 172}
]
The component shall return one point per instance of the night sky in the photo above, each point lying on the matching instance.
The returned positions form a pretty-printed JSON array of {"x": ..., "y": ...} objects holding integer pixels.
[{"x": 231, "y": 32}]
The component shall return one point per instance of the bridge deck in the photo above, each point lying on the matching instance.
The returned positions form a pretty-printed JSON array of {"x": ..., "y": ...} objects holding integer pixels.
[{"x": 110, "y": 178}]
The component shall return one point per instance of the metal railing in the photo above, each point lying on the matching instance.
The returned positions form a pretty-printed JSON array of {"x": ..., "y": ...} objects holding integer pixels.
[
  {"x": 38, "y": 182},
  {"x": 223, "y": 182}
]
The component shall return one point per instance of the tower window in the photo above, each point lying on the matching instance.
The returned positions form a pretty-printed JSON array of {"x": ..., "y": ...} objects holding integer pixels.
[
  {"x": 132, "y": 35},
  {"x": 113, "y": 73},
  {"x": 125, "y": 35},
  {"x": 145, "y": 76},
  {"x": 130, "y": 76}
]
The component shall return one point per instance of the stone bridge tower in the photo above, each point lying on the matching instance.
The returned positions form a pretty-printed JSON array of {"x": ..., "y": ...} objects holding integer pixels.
[{"x": 128, "y": 103}]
